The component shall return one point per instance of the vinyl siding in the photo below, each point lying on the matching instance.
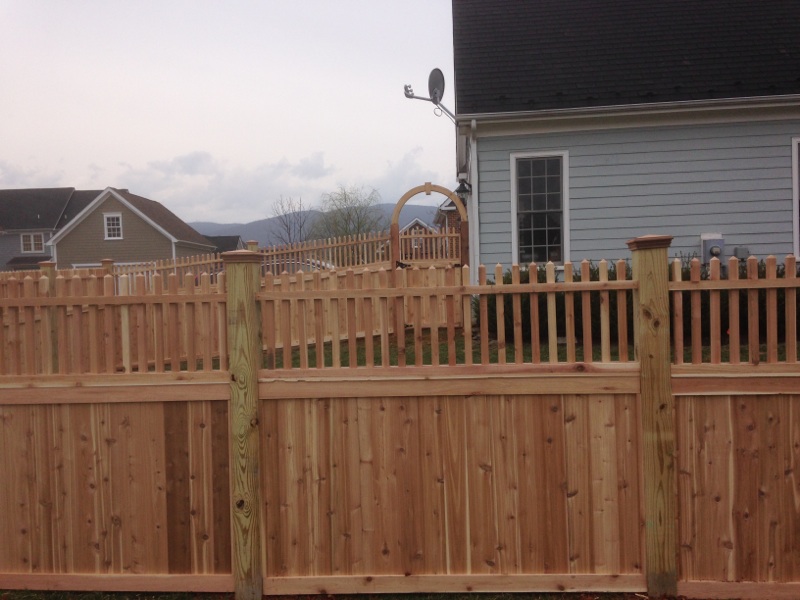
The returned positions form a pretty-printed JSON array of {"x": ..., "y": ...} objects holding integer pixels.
[
  {"x": 11, "y": 245},
  {"x": 681, "y": 181},
  {"x": 86, "y": 244}
]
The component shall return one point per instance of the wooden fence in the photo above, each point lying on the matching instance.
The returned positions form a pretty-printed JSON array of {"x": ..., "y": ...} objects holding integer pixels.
[{"x": 577, "y": 446}]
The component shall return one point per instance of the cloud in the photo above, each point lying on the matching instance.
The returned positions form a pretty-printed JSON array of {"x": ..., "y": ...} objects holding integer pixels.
[
  {"x": 312, "y": 167},
  {"x": 13, "y": 176},
  {"x": 399, "y": 177}
]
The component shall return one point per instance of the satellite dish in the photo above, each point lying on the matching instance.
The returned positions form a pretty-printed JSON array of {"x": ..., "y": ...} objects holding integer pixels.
[{"x": 436, "y": 86}]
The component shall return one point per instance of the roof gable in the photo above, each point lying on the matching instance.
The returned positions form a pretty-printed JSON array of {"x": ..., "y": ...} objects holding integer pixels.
[
  {"x": 513, "y": 55},
  {"x": 155, "y": 214}
]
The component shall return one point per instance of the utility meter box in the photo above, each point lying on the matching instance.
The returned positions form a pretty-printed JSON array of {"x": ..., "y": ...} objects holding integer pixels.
[{"x": 712, "y": 245}]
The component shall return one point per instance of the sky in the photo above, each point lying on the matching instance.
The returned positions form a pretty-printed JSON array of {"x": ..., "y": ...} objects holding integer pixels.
[{"x": 218, "y": 109}]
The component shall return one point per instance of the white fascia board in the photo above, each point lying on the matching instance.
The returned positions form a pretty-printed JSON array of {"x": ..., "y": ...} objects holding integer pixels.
[{"x": 633, "y": 116}]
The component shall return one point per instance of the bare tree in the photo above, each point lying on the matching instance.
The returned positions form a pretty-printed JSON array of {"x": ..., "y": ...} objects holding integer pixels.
[
  {"x": 292, "y": 221},
  {"x": 349, "y": 211}
]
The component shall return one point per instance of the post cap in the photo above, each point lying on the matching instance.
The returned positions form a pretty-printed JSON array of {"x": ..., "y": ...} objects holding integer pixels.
[
  {"x": 650, "y": 242},
  {"x": 241, "y": 256}
]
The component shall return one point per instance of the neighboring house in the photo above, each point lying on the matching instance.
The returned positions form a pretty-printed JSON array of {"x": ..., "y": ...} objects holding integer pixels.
[
  {"x": 226, "y": 243},
  {"x": 582, "y": 125},
  {"x": 79, "y": 228},
  {"x": 447, "y": 217},
  {"x": 126, "y": 228},
  {"x": 30, "y": 217}
]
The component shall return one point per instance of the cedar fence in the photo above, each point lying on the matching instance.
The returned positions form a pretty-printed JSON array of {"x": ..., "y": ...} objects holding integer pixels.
[{"x": 404, "y": 431}]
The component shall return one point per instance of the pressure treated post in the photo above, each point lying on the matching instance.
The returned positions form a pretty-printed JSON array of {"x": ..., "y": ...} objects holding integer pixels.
[
  {"x": 243, "y": 279},
  {"x": 651, "y": 334}
]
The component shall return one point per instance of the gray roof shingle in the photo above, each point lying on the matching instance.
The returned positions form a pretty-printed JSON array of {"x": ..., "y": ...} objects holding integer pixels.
[{"x": 528, "y": 55}]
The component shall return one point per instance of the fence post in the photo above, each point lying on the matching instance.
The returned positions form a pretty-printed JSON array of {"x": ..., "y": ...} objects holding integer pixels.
[
  {"x": 252, "y": 245},
  {"x": 651, "y": 319},
  {"x": 242, "y": 269}
]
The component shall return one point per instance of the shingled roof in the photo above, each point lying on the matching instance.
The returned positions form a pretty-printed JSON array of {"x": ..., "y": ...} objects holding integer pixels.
[
  {"x": 160, "y": 214},
  {"x": 38, "y": 208},
  {"x": 531, "y": 55}
]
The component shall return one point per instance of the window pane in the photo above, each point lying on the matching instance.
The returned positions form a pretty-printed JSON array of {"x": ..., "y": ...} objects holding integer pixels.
[
  {"x": 26, "y": 242},
  {"x": 538, "y": 167},
  {"x": 524, "y": 222},
  {"x": 539, "y": 185},
  {"x": 524, "y": 168},
  {"x": 540, "y": 202},
  {"x": 553, "y": 201},
  {"x": 554, "y": 166},
  {"x": 539, "y": 220},
  {"x": 539, "y": 237},
  {"x": 554, "y": 183},
  {"x": 524, "y": 203},
  {"x": 524, "y": 185},
  {"x": 525, "y": 255},
  {"x": 554, "y": 220},
  {"x": 540, "y": 255},
  {"x": 525, "y": 238}
]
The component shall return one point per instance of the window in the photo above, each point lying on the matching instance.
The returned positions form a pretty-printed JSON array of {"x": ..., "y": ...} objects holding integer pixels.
[
  {"x": 33, "y": 243},
  {"x": 113, "y": 226},
  {"x": 539, "y": 208}
]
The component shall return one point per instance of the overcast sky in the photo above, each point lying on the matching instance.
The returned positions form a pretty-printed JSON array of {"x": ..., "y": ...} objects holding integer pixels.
[{"x": 217, "y": 109}]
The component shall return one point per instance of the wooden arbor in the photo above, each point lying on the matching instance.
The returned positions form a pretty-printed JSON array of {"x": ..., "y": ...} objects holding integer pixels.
[{"x": 427, "y": 188}]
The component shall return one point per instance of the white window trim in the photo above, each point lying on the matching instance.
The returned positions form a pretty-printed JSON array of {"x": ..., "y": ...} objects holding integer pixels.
[
  {"x": 564, "y": 154},
  {"x": 33, "y": 249},
  {"x": 105, "y": 225},
  {"x": 796, "y": 195}
]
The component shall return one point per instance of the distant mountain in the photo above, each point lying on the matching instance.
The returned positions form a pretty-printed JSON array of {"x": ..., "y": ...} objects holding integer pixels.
[{"x": 263, "y": 231}]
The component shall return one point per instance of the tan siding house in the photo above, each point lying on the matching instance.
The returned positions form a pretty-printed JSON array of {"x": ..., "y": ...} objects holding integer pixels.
[{"x": 125, "y": 228}]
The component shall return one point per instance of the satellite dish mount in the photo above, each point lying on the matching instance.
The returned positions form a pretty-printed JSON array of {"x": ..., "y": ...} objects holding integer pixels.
[{"x": 435, "y": 91}]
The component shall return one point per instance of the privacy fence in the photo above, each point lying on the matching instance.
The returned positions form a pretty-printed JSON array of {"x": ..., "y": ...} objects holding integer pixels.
[{"x": 597, "y": 428}]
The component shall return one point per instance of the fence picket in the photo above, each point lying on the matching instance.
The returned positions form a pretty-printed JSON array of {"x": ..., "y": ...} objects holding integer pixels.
[
  {"x": 369, "y": 326},
  {"x": 466, "y": 310},
  {"x": 696, "y": 314},
  {"x": 12, "y": 338},
  {"x": 268, "y": 326},
  {"x": 500, "y": 315},
  {"x": 516, "y": 309},
  {"x": 190, "y": 330},
  {"x": 605, "y": 309},
  {"x": 734, "y": 337},
  {"x": 622, "y": 313},
  {"x": 450, "y": 315},
  {"x": 302, "y": 338},
  {"x": 352, "y": 332},
  {"x": 677, "y": 314},
  {"x": 714, "y": 313},
  {"x": 552, "y": 331},
  {"x": 125, "y": 326},
  {"x": 586, "y": 312},
  {"x": 753, "y": 339},
  {"x": 46, "y": 328},
  {"x": 158, "y": 324},
  {"x": 533, "y": 301},
  {"x": 433, "y": 301},
  {"x": 484, "y": 317},
  {"x": 790, "y": 304},
  {"x": 29, "y": 329},
  {"x": 77, "y": 351},
  {"x": 772, "y": 312},
  {"x": 142, "y": 339}
]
